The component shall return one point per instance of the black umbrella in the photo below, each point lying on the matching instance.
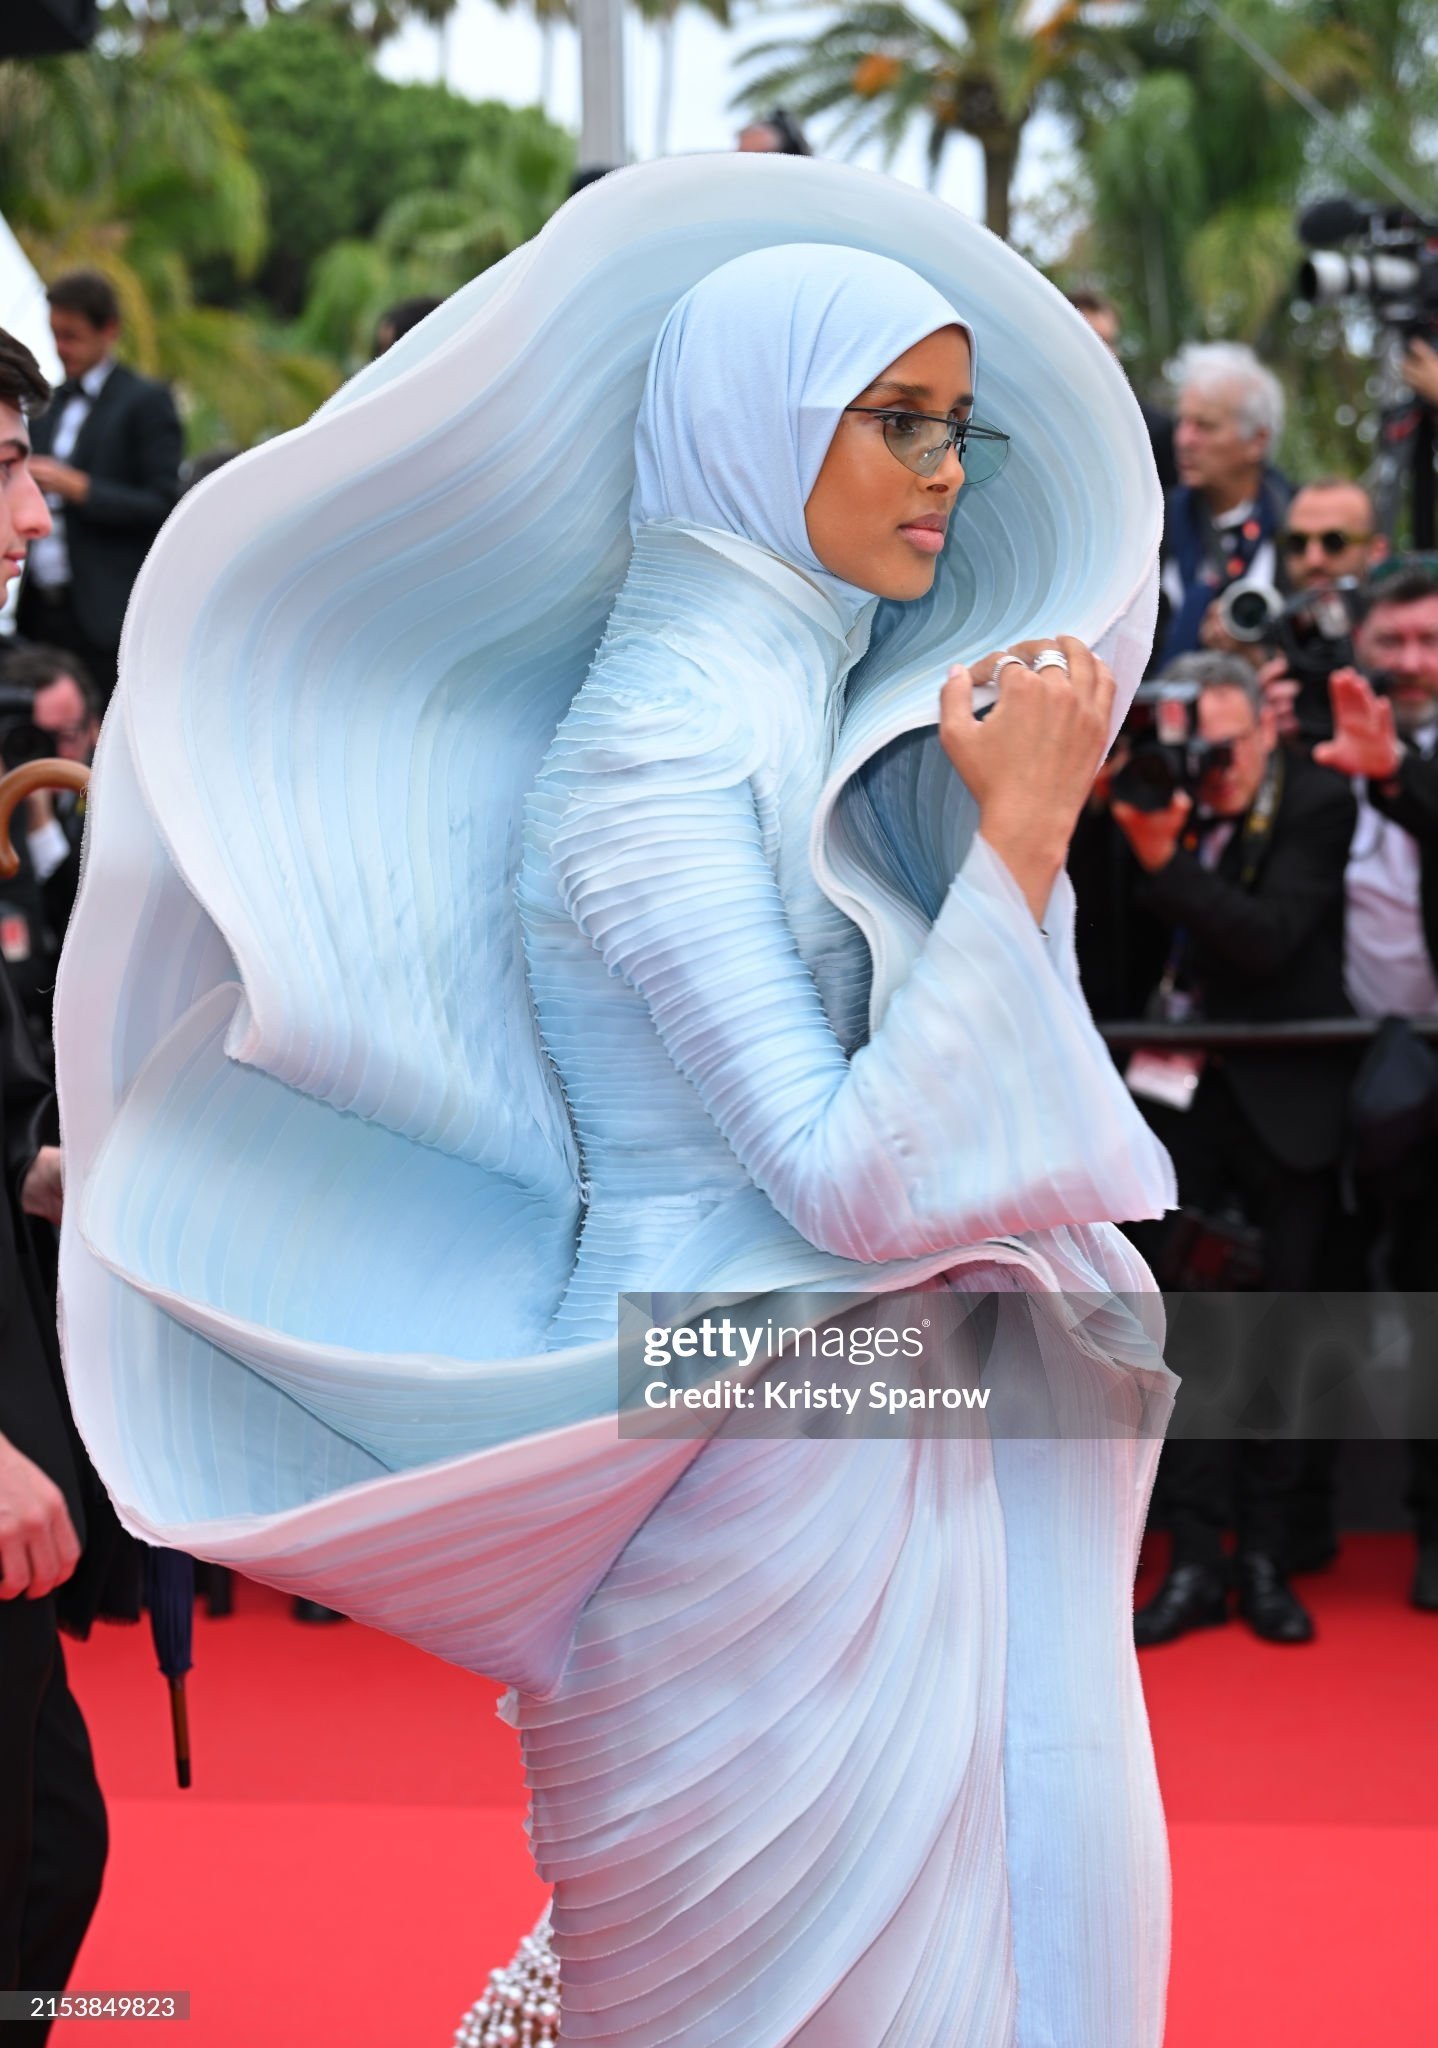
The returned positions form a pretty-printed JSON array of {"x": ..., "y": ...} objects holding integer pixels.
[{"x": 170, "y": 1597}]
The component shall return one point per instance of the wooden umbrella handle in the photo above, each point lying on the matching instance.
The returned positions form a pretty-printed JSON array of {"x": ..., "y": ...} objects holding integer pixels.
[{"x": 24, "y": 781}]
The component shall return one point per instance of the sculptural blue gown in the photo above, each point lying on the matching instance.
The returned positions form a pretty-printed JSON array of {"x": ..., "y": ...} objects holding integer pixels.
[{"x": 394, "y": 1042}]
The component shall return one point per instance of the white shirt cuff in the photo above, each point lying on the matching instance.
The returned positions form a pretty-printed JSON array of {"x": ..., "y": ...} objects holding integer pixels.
[{"x": 49, "y": 849}]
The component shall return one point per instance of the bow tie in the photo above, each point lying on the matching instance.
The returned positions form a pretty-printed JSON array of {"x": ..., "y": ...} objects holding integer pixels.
[{"x": 71, "y": 388}]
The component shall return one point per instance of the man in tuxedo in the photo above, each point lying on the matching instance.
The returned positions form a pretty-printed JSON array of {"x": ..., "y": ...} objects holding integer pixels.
[
  {"x": 52, "y": 1513},
  {"x": 107, "y": 456},
  {"x": 1249, "y": 882},
  {"x": 1391, "y": 741}
]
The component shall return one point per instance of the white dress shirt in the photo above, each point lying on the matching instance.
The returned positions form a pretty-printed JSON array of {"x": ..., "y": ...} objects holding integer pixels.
[
  {"x": 50, "y": 557},
  {"x": 1386, "y": 964}
]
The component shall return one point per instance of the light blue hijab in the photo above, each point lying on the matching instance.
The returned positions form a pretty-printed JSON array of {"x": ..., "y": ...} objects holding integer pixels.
[{"x": 749, "y": 378}]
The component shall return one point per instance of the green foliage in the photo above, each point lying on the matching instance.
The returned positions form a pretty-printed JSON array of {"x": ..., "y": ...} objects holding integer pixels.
[
  {"x": 434, "y": 240},
  {"x": 1192, "y": 158},
  {"x": 1196, "y": 159},
  {"x": 369, "y": 21},
  {"x": 337, "y": 147},
  {"x": 253, "y": 170},
  {"x": 129, "y": 164},
  {"x": 970, "y": 67}
]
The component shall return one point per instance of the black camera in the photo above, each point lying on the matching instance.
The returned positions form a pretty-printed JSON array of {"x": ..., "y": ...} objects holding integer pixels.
[
  {"x": 1391, "y": 260},
  {"x": 21, "y": 740},
  {"x": 1312, "y": 631},
  {"x": 1165, "y": 753}
]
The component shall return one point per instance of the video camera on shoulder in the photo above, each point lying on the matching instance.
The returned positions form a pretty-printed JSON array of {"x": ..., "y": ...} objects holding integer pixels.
[
  {"x": 21, "y": 740},
  {"x": 1312, "y": 631},
  {"x": 1165, "y": 752},
  {"x": 1362, "y": 249}
]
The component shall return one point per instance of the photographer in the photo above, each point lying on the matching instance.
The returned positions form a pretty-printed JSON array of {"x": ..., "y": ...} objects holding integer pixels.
[
  {"x": 1249, "y": 880},
  {"x": 1330, "y": 536},
  {"x": 1224, "y": 516},
  {"x": 48, "y": 707},
  {"x": 1391, "y": 742},
  {"x": 64, "y": 718}
]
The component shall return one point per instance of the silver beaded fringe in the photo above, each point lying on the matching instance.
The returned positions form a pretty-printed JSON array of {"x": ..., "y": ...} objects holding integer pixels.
[{"x": 520, "y": 2009}]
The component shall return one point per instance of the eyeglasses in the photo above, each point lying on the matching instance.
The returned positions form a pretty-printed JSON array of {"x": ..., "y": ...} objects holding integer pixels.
[
  {"x": 921, "y": 440},
  {"x": 1333, "y": 541}
]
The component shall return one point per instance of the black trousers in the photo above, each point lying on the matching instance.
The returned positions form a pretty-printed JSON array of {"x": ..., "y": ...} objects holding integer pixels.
[
  {"x": 1207, "y": 1487},
  {"x": 53, "y": 1831},
  {"x": 52, "y": 622}
]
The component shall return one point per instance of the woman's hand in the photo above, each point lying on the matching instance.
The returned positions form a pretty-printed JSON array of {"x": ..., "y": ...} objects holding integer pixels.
[{"x": 1030, "y": 762}]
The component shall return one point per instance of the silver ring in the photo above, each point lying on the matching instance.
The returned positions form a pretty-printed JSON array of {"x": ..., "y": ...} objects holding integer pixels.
[
  {"x": 1051, "y": 657},
  {"x": 1002, "y": 662}
]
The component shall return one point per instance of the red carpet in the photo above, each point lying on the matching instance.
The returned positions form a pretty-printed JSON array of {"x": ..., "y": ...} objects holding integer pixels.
[{"x": 350, "y": 1861}]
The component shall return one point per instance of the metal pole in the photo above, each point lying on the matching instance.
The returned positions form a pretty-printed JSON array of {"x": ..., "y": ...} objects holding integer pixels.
[{"x": 601, "y": 77}]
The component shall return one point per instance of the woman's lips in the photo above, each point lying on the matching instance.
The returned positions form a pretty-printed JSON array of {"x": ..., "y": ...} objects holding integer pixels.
[{"x": 927, "y": 539}]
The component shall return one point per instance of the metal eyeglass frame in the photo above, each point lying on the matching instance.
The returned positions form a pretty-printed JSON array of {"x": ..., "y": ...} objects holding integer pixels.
[{"x": 959, "y": 434}]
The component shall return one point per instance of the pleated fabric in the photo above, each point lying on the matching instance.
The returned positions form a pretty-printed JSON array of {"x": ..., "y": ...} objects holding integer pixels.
[{"x": 479, "y": 916}]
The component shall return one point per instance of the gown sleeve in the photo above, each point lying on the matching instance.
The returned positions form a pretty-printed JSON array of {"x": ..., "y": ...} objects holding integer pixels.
[{"x": 985, "y": 1103}]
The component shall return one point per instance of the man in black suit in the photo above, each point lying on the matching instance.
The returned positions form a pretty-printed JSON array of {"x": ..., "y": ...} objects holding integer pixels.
[
  {"x": 1250, "y": 884},
  {"x": 65, "y": 713},
  {"x": 107, "y": 455},
  {"x": 52, "y": 1817},
  {"x": 1392, "y": 958}
]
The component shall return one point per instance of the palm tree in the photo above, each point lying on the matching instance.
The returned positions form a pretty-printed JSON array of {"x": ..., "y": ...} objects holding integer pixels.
[
  {"x": 662, "y": 16},
  {"x": 127, "y": 164},
  {"x": 978, "y": 71},
  {"x": 551, "y": 16},
  {"x": 1196, "y": 158}
]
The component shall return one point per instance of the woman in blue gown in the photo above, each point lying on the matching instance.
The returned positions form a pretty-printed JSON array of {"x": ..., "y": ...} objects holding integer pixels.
[{"x": 835, "y": 1743}]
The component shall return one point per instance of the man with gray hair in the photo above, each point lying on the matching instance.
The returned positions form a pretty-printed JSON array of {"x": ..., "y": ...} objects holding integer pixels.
[{"x": 1228, "y": 507}]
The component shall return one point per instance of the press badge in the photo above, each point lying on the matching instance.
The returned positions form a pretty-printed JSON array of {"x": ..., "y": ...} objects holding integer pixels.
[{"x": 1170, "y": 1077}]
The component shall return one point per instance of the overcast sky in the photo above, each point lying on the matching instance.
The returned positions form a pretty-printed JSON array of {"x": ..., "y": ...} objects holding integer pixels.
[{"x": 495, "y": 55}]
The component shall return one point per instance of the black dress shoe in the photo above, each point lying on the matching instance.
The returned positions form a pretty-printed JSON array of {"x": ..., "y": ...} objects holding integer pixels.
[
  {"x": 1425, "y": 1578},
  {"x": 312, "y": 1610},
  {"x": 1269, "y": 1605},
  {"x": 1192, "y": 1596}
]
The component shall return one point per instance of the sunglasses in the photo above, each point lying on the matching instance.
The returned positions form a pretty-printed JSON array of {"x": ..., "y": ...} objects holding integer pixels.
[
  {"x": 920, "y": 440},
  {"x": 1332, "y": 542}
]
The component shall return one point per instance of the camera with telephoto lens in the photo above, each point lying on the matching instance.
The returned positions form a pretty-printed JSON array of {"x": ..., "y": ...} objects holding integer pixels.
[
  {"x": 1383, "y": 254},
  {"x": 1165, "y": 752},
  {"x": 21, "y": 740},
  {"x": 1312, "y": 631}
]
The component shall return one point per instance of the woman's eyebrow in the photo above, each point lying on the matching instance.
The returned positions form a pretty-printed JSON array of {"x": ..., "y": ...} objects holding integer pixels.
[{"x": 918, "y": 394}]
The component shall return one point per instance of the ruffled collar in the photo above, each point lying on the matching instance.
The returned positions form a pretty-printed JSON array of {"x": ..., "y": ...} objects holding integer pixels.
[{"x": 789, "y": 583}]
